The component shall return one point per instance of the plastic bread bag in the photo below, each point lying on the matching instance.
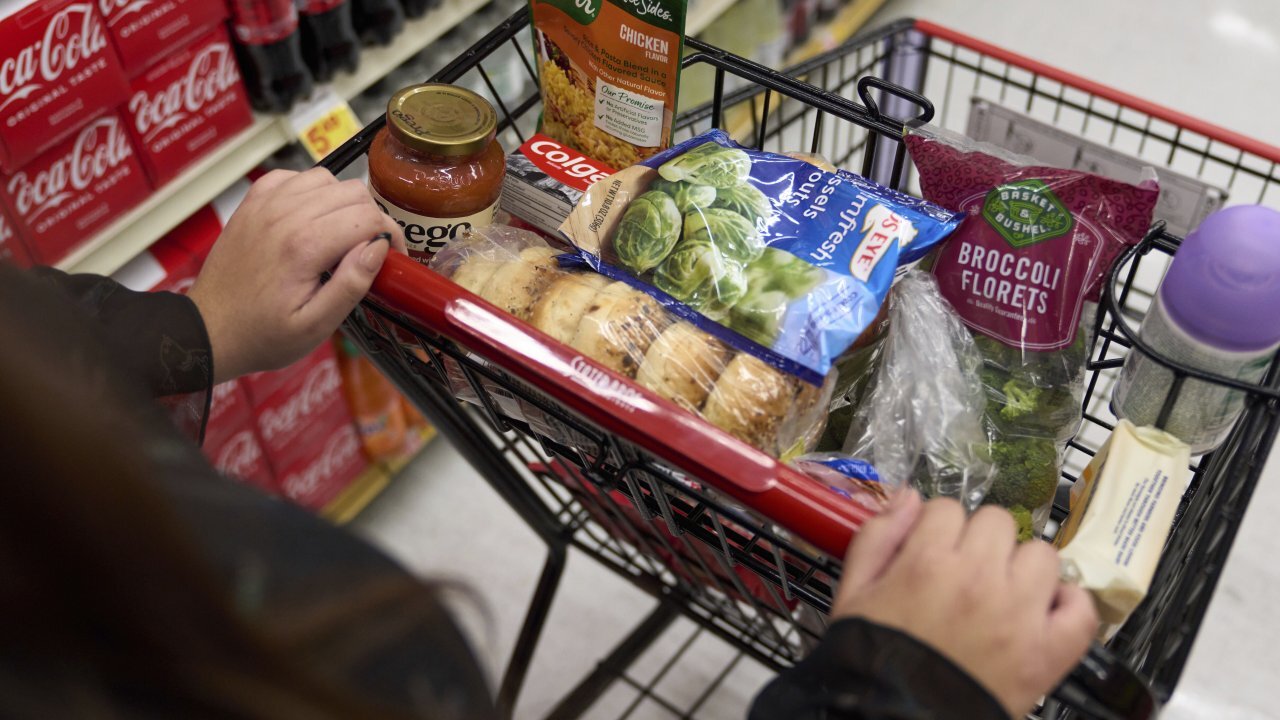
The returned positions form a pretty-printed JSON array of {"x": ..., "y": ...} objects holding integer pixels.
[
  {"x": 921, "y": 420},
  {"x": 1024, "y": 271},
  {"x": 632, "y": 334}
]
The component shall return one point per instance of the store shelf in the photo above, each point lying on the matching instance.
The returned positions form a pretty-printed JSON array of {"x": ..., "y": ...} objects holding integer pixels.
[
  {"x": 123, "y": 239},
  {"x": 362, "y": 491},
  {"x": 704, "y": 12}
]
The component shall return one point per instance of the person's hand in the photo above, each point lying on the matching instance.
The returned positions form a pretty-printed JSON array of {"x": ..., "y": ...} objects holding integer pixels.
[
  {"x": 260, "y": 292},
  {"x": 965, "y": 587}
]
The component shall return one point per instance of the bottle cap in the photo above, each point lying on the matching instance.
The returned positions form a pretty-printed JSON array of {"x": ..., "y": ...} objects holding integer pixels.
[
  {"x": 440, "y": 119},
  {"x": 1223, "y": 286}
]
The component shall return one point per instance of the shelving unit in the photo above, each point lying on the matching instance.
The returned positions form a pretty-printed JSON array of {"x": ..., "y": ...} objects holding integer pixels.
[{"x": 123, "y": 239}]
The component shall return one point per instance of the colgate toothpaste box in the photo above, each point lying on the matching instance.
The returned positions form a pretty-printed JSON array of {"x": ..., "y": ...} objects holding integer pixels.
[
  {"x": 187, "y": 105},
  {"x": 545, "y": 180},
  {"x": 12, "y": 248},
  {"x": 143, "y": 31},
  {"x": 308, "y": 403},
  {"x": 57, "y": 68},
  {"x": 75, "y": 189},
  {"x": 331, "y": 464}
]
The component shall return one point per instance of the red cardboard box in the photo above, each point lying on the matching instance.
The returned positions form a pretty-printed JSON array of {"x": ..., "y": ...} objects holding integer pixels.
[
  {"x": 57, "y": 69},
  {"x": 173, "y": 262},
  {"x": 239, "y": 455},
  {"x": 328, "y": 467},
  {"x": 308, "y": 403},
  {"x": 144, "y": 31},
  {"x": 231, "y": 441},
  {"x": 187, "y": 105},
  {"x": 12, "y": 249},
  {"x": 66, "y": 195}
]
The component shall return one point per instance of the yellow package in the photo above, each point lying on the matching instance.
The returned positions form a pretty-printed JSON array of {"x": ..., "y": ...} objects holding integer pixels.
[{"x": 609, "y": 72}]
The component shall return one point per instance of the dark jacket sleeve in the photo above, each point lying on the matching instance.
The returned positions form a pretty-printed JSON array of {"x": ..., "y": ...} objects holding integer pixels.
[
  {"x": 864, "y": 671},
  {"x": 158, "y": 339}
]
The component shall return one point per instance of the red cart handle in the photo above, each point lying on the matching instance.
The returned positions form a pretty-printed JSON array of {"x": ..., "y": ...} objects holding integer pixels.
[{"x": 619, "y": 406}]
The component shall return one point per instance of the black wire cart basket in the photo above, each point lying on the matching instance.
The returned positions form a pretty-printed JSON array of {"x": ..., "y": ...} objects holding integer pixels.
[{"x": 722, "y": 534}]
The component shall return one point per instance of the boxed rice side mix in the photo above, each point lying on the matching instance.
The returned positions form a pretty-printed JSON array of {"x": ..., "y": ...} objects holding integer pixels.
[{"x": 609, "y": 72}]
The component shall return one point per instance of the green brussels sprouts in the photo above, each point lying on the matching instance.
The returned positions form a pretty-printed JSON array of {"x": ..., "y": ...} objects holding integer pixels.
[
  {"x": 648, "y": 231},
  {"x": 736, "y": 236},
  {"x": 700, "y": 276},
  {"x": 688, "y": 196},
  {"x": 709, "y": 164},
  {"x": 780, "y": 270},
  {"x": 758, "y": 316},
  {"x": 746, "y": 200}
]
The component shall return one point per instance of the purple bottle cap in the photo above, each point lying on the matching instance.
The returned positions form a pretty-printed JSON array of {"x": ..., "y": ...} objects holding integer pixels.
[{"x": 1223, "y": 286}]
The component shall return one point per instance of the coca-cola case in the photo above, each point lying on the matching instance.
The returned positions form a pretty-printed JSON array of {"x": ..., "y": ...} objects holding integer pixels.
[
  {"x": 231, "y": 440},
  {"x": 12, "y": 249},
  {"x": 143, "y": 31},
  {"x": 187, "y": 105},
  {"x": 69, "y": 193},
  {"x": 332, "y": 462},
  {"x": 57, "y": 69},
  {"x": 307, "y": 403}
]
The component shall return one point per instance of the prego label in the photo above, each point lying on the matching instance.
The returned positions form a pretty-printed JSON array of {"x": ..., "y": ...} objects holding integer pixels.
[{"x": 427, "y": 235}]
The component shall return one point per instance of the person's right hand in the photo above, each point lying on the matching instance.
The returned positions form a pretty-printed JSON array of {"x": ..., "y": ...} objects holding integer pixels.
[{"x": 966, "y": 588}]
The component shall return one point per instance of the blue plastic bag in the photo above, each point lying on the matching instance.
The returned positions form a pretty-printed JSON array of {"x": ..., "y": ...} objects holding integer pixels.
[{"x": 771, "y": 254}]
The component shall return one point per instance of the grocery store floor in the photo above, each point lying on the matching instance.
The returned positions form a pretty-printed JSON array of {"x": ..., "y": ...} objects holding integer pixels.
[{"x": 1213, "y": 59}]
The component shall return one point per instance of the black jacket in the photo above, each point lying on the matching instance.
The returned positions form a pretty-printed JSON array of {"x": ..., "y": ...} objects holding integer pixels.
[{"x": 158, "y": 342}]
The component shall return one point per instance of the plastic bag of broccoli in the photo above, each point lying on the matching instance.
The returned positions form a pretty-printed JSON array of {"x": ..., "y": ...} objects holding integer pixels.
[
  {"x": 1024, "y": 272},
  {"x": 771, "y": 254},
  {"x": 921, "y": 421}
]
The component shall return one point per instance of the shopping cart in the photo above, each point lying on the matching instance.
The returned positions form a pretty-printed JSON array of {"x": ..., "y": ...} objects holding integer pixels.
[{"x": 720, "y": 533}]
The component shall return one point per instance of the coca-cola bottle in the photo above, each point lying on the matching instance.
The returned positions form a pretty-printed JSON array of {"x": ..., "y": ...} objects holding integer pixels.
[
  {"x": 329, "y": 41},
  {"x": 270, "y": 53},
  {"x": 418, "y": 8},
  {"x": 377, "y": 21}
]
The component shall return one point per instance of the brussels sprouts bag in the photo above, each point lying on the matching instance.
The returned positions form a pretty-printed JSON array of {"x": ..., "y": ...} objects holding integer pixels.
[{"x": 771, "y": 254}]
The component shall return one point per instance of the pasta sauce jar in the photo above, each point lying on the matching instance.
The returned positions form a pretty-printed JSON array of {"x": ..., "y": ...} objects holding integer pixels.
[{"x": 436, "y": 167}]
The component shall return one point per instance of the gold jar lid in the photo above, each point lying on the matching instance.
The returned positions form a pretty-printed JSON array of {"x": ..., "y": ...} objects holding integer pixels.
[{"x": 440, "y": 119}]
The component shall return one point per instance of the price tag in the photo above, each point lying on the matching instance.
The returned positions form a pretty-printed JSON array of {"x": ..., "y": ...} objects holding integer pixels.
[{"x": 323, "y": 122}]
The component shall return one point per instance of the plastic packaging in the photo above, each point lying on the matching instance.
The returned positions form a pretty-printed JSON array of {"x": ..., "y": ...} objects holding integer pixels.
[
  {"x": 1024, "y": 272},
  {"x": 921, "y": 421},
  {"x": 773, "y": 255},
  {"x": 631, "y": 334},
  {"x": 849, "y": 477},
  {"x": 374, "y": 403},
  {"x": 1216, "y": 311},
  {"x": 1105, "y": 546}
]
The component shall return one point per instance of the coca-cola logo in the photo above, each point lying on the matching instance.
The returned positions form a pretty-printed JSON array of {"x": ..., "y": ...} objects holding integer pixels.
[
  {"x": 71, "y": 37},
  {"x": 220, "y": 399},
  {"x": 6, "y": 232},
  {"x": 317, "y": 391},
  {"x": 338, "y": 454},
  {"x": 210, "y": 74},
  {"x": 99, "y": 148},
  {"x": 240, "y": 456},
  {"x": 113, "y": 10}
]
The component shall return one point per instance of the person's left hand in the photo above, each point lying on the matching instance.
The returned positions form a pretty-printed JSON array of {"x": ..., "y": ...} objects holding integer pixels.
[{"x": 260, "y": 292}]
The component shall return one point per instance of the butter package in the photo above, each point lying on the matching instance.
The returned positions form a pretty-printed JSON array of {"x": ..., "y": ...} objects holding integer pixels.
[
  {"x": 1122, "y": 511},
  {"x": 773, "y": 255}
]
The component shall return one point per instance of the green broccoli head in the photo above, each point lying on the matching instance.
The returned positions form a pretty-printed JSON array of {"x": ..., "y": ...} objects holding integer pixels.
[
  {"x": 1022, "y": 516},
  {"x": 1026, "y": 472},
  {"x": 1020, "y": 399}
]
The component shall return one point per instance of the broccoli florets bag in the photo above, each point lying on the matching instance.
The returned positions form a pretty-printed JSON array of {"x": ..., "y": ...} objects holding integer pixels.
[{"x": 1024, "y": 272}]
